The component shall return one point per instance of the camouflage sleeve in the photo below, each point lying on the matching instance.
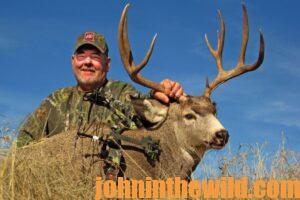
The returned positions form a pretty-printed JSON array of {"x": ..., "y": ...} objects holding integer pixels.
[
  {"x": 128, "y": 91},
  {"x": 122, "y": 91},
  {"x": 124, "y": 108},
  {"x": 35, "y": 126}
]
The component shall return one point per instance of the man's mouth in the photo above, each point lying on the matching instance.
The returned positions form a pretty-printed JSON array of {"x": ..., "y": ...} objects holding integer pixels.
[{"x": 87, "y": 71}]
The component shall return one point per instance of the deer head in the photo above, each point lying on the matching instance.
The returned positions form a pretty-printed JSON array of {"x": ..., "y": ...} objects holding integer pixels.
[{"x": 193, "y": 118}]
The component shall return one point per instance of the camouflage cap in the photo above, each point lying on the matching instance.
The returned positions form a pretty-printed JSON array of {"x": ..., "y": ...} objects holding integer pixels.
[{"x": 93, "y": 38}]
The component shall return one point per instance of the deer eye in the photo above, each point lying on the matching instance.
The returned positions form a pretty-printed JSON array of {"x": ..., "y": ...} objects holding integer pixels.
[{"x": 190, "y": 116}]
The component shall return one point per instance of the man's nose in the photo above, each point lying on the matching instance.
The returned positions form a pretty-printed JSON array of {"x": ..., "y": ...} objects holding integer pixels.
[{"x": 88, "y": 60}]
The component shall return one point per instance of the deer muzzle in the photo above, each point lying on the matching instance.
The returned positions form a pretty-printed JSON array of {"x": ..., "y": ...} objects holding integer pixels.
[{"x": 220, "y": 139}]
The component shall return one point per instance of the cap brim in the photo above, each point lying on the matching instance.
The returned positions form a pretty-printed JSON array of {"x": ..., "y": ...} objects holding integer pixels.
[{"x": 88, "y": 43}]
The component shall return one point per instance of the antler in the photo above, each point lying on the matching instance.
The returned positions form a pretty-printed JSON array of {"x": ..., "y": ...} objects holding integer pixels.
[
  {"x": 127, "y": 59},
  {"x": 241, "y": 67}
]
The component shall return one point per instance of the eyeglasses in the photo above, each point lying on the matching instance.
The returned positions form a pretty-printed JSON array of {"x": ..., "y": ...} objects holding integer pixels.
[{"x": 95, "y": 57}]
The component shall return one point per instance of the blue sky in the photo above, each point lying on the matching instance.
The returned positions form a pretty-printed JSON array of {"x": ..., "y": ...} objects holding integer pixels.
[{"x": 37, "y": 39}]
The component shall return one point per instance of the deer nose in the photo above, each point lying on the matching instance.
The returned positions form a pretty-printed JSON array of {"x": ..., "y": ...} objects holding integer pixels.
[{"x": 223, "y": 135}]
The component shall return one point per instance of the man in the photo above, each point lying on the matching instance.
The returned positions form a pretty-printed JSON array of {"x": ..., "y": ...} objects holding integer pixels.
[{"x": 69, "y": 108}]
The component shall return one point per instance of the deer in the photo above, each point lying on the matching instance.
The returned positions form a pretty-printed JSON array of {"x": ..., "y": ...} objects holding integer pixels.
[
  {"x": 186, "y": 128},
  {"x": 189, "y": 124}
]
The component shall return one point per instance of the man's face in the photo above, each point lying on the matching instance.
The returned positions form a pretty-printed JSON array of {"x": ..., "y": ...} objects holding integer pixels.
[{"x": 90, "y": 67}]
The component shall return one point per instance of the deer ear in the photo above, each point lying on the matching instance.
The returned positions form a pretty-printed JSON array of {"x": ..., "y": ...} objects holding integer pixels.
[{"x": 152, "y": 112}]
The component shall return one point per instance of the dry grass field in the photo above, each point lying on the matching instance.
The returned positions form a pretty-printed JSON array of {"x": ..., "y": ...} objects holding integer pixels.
[{"x": 58, "y": 179}]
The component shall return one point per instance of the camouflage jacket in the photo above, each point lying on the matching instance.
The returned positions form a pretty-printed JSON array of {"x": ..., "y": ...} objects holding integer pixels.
[{"x": 66, "y": 109}]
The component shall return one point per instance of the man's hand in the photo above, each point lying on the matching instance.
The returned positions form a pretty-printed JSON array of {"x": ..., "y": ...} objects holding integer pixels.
[{"x": 173, "y": 90}]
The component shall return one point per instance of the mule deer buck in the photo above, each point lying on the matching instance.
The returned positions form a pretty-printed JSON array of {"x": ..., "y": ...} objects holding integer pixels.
[{"x": 186, "y": 128}]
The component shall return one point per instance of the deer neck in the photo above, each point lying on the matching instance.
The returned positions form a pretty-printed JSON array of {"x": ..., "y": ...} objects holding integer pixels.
[{"x": 190, "y": 155}]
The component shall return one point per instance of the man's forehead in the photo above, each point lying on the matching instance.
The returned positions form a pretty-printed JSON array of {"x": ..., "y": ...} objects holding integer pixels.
[{"x": 88, "y": 47}]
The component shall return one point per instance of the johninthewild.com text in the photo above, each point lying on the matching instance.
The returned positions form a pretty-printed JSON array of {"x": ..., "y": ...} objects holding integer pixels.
[{"x": 175, "y": 188}]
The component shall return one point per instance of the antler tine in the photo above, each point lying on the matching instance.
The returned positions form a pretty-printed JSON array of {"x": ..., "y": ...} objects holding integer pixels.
[
  {"x": 124, "y": 51},
  {"x": 148, "y": 55},
  {"x": 127, "y": 58},
  {"x": 218, "y": 52},
  {"x": 241, "y": 67},
  {"x": 245, "y": 37},
  {"x": 221, "y": 34}
]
